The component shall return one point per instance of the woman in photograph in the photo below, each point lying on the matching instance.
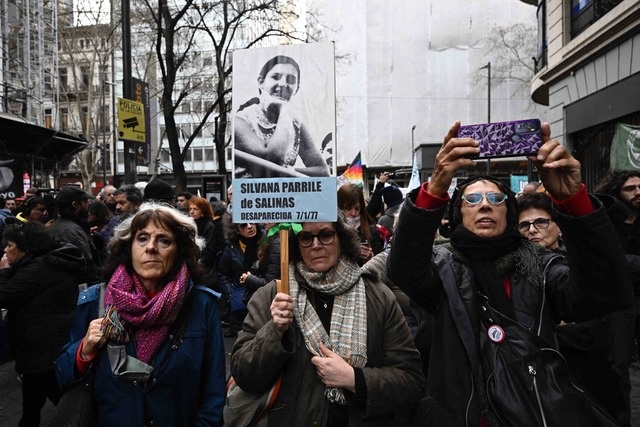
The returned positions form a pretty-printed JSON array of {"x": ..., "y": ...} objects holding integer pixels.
[{"x": 269, "y": 137}]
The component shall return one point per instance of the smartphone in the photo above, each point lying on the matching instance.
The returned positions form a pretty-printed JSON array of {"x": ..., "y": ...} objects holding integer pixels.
[{"x": 505, "y": 139}]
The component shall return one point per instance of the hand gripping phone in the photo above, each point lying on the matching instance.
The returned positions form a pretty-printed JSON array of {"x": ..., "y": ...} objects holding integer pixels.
[{"x": 505, "y": 139}]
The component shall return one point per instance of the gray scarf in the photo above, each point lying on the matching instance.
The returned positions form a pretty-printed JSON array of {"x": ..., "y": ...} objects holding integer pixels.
[{"x": 348, "y": 332}]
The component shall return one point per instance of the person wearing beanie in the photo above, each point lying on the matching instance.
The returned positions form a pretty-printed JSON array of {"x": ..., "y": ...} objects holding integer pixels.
[
  {"x": 159, "y": 191},
  {"x": 392, "y": 198}
]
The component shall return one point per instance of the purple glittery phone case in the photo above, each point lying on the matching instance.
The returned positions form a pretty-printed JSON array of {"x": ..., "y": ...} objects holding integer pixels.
[{"x": 505, "y": 139}]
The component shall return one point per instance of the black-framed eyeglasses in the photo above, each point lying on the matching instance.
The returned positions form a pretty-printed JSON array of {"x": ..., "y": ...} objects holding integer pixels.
[
  {"x": 538, "y": 224},
  {"x": 494, "y": 198},
  {"x": 325, "y": 237}
]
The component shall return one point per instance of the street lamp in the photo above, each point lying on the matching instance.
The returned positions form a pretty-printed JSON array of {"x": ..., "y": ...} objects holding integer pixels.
[
  {"x": 104, "y": 133},
  {"x": 488, "y": 67},
  {"x": 412, "y": 132}
]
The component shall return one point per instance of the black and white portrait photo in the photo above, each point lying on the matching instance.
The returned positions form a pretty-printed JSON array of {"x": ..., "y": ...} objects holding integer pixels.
[{"x": 284, "y": 111}]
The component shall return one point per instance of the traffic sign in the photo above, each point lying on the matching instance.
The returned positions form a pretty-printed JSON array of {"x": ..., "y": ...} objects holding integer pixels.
[{"x": 131, "y": 121}]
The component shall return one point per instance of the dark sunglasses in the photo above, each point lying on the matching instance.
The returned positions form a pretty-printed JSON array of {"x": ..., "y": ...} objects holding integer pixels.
[
  {"x": 325, "y": 237},
  {"x": 493, "y": 198},
  {"x": 538, "y": 224}
]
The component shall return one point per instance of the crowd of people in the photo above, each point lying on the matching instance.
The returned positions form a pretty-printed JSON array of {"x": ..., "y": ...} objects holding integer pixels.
[{"x": 394, "y": 315}]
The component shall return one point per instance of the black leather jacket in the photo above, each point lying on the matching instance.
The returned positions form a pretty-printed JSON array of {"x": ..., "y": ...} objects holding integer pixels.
[{"x": 594, "y": 283}]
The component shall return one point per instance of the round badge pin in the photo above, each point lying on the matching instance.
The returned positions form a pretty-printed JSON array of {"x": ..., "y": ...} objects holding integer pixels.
[{"x": 496, "y": 333}]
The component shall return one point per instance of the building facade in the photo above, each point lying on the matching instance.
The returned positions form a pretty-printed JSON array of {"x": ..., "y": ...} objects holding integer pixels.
[{"x": 588, "y": 73}]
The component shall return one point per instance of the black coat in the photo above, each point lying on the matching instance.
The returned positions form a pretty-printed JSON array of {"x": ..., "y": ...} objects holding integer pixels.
[
  {"x": 268, "y": 269},
  {"x": 41, "y": 293},
  {"x": 595, "y": 282}
]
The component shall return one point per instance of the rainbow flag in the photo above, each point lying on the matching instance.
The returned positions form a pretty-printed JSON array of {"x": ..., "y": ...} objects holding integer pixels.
[{"x": 353, "y": 174}]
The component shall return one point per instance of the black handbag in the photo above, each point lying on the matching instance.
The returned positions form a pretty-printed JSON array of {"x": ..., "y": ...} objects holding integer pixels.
[
  {"x": 529, "y": 382},
  {"x": 76, "y": 407}
]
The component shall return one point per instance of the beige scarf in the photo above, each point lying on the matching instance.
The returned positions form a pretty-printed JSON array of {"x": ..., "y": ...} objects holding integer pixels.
[{"x": 348, "y": 331}]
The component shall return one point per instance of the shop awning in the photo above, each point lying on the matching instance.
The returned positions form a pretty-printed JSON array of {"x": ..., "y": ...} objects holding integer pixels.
[{"x": 48, "y": 148}]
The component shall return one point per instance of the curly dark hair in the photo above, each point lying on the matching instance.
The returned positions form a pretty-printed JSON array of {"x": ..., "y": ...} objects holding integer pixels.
[
  {"x": 30, "y": 237},
  {"x": 455, "y": 216},
  {"x": 613, "y": 181},
  {"x": 349, "y": 241},
  {"x": 183, "y": 228}
]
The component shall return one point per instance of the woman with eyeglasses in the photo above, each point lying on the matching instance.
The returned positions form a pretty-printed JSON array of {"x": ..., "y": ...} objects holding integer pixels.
[
  {"x": 238, "y": 256},
  {"x": 487, "y": 267},
  {"x": 535, "y": 220},
  {"x": 598, "y": 351},
  {"x": 338, "y": 338}
]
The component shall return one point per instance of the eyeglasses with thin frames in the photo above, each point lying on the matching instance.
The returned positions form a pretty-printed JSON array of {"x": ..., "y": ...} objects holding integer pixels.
[
  {"x": 325, "y": 237},
  {"x": 494, "y": 198},
  {"x": 538, "y": 224}
]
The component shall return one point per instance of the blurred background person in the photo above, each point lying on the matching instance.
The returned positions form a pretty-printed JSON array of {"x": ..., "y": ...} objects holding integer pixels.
[
  {"x": 351, "y": 203},
  {"x": 239, "y": 255},
  {"x": 72, "y": 226},
  {"x": 392, "y": 198},
  {"x": 11, "y": 204},
  {"x": 201, "y": 212},
  {"x": 159, "y": 191},
  {"x": 107, "y": 195},
  {"x": 339, "y": 339},
  {"x": 39, "y": 281},
  {"x": 99, "y": 217},
  {"x": 32, "y": 209},
  {"x": 164, "y": 320},
  {"x": 182, "y": 201},
  {"x": 268, "y": 266}
]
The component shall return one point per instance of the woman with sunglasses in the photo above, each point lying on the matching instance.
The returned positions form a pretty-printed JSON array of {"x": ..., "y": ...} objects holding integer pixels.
[
  {"x": 338, "y": 338},
  {"x": 485, "y": 262},
  {"x": 238, "y": 256}
]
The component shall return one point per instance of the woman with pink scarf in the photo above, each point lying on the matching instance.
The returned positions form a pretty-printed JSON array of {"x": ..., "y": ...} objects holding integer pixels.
[{"x": 158, "y": 352}]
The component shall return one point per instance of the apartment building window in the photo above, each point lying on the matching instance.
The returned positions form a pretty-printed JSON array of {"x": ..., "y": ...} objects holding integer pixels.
[
  {"x": 62, "y": 78},
  {"x": 208, "y": 154},
  {"x": 197, "y": 154},
  {"x": 541, "y": 60},
  {"x": 64, "y": 119},
  {"x": 586, "y": 12},
  {"x": 48, "y": 120},
  {"x": 84, "y": 77},
  {"x": 85, "y": 119}
]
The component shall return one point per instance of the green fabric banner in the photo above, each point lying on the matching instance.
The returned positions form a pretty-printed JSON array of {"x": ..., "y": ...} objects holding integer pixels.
[{"x": 625, "y": 148}]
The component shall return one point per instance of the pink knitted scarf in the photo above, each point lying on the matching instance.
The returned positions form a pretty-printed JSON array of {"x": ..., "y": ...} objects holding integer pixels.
[{"x": 151, "y": 318}]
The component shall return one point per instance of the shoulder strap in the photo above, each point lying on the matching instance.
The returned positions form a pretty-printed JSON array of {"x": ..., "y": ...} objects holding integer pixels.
[{"x": 101, "y": 309}]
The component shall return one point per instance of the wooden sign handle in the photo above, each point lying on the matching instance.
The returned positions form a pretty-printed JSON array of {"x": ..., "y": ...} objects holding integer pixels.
[{"x": 283, "y": 283}]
